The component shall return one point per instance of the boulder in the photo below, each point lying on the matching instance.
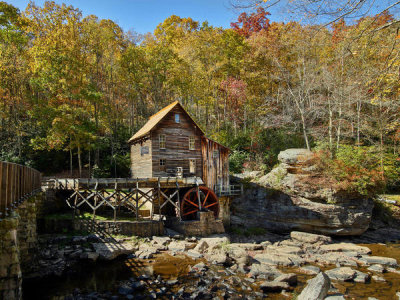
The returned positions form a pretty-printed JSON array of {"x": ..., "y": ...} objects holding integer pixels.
[
  {"x": 109, "y": 251},
  {"x": 247, "y": 246},
  {"x": 342, "y": 274},
  {"x": 386, "y": 261},
  {"x": 296, "y": 196},
  {"x": 310, "y": 238},
  {"x": 310, "y": 270},
  {"x": 215, "y": 240},
  {"x": 283, "y": 249},
  {"x": 377, "y": 268},
  {"x": 362, "y": 277},
  {"x": 281, "y": 259},
  {"x": 345, "y": 247},
  {"x": 267, "y": 271},
  {"x": 161, "y": 240},
  {"x": 316, "y": 288},
  {"x": 201, "y": 247},
  {"x": 378, "y": 278},
  {"x": 290, "y": 278}
]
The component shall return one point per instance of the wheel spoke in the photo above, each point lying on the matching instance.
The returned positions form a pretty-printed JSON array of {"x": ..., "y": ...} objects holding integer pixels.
[
  {"x": 190, "y": 212},
  {"x": 212, "y": 204},
  {"x": 206, "y": 198},
  {"x": 187, "y": 200}
]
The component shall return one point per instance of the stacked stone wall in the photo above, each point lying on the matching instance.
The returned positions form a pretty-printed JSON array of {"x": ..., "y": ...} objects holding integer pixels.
[
  {"x": 206, "y": 225},
  {"x": 10, "y": 270},
  {"x": 18, "y": 244}
]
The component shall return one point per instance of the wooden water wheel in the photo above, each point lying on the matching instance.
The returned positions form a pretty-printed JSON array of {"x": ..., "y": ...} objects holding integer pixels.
[{"x": 190, "y": 202}]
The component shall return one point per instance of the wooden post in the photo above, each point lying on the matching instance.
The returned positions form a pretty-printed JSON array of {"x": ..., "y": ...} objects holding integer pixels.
[
  {"x": 137, "y": 199},
  {"x": 178, "y": 201},
  {"x": 198, "y": 194}
]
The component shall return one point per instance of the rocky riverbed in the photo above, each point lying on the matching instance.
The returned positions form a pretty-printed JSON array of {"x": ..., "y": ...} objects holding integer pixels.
[{"x": 217, "y": 267}]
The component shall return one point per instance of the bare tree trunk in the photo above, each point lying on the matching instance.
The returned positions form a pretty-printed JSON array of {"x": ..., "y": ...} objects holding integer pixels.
[
  {"x": 330, "y": 124},
  {"x": 338, "y": 132},
  {"x": 358, "y": 122},
  {"x": 79, "y": 162},
  {"x": 70, "y": 161}
]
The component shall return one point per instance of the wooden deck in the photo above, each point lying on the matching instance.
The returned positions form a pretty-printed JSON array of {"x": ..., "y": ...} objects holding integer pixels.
[
  {"x": 134, "y": 194},
  {"x": 120, "y": 183}
]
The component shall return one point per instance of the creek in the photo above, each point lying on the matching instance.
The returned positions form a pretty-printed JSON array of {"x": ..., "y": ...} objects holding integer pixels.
[{"x": 164, "y": 276}]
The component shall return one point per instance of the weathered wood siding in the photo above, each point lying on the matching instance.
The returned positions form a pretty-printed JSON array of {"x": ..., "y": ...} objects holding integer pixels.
[
  {"x": 176, "y": 152},
  {"x": 141, "y": 162},
  {"x": 216, "y": 163}
]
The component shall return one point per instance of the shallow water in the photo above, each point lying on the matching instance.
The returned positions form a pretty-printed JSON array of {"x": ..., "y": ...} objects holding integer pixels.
[{"x": 107, "y": 276}]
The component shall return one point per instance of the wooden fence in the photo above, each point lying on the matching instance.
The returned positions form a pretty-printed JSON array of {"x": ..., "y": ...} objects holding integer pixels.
[{"x": 17, "y": 183}]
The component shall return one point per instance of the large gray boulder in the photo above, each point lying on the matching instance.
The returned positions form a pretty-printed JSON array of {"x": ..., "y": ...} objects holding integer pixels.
[
  {"x": 316, "y": 288},
  {"x": 296, "y": 195}
]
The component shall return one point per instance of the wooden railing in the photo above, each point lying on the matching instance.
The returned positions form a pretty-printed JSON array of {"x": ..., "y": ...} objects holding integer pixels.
[
  {"x": 17, "y": 183},
  {"x": 228, "y": 190}
]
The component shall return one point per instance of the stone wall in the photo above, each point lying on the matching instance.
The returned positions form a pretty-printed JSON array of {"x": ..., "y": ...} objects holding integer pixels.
[
  {"x": 18, "y": 242},
  {"x": 26, "y": 232},
  {"x": 206, "y": 225},
  {"x": 129, "y": 228},
  {"x": 10, "y": 270},
  {"x": 225, "y": 210}
]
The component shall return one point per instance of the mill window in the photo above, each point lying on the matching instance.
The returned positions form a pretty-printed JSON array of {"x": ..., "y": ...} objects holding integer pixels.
[
  {"x": 191, "y": 142},
  {"x": 162, "y": 141},
  {"x": 192, "y": 166},
  {"x": 162, "y": 164},
  {"x": 177, "y": 118}
]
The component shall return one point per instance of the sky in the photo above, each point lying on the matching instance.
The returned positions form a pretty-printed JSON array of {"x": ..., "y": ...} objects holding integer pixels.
[{"x": 144, "y": 15}]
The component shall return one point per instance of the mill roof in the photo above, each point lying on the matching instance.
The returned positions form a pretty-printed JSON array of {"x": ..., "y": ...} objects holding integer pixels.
[{"x": 156, "y": 118}]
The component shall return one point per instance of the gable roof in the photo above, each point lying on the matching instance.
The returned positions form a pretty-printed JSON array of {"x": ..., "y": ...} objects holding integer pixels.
[{"x": 156, "y": 118}]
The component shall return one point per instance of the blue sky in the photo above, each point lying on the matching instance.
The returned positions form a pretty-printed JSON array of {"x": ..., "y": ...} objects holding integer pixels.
[{"x": 144, "y": 15}]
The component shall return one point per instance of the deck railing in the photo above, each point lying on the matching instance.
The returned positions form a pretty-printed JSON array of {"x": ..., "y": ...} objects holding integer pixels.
[
  {"x": 17, "y": 183},
  {"x": 228, "y": 190}
]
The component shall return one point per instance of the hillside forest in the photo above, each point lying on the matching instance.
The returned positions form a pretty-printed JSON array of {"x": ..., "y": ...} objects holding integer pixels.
[{"x": 74, "y": 89}]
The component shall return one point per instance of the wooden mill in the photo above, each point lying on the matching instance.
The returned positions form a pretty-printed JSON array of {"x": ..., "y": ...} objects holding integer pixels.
[{"x": 171, "y": 144}]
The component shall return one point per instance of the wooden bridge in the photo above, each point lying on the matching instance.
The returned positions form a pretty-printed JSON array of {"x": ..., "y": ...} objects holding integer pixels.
[
  {"x": 17, "y": 183},
  {"x": 180, "y": 197}
]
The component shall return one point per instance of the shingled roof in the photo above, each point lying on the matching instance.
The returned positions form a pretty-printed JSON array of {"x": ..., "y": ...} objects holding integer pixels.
[{"x": 155, "y": 119}]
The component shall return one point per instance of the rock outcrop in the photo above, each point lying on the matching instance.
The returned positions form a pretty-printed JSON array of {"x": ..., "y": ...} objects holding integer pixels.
[{"x": 297, "y": 196}]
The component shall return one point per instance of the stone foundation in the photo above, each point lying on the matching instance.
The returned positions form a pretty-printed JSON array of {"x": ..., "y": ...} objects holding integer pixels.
[
  {"x": 225, "y": 210},
  {"x": 18, "y": 242},
  {"x": 10, "y": 270},
  {"x": 129, "y": 228},
  {"x": 206, "y": 225}
]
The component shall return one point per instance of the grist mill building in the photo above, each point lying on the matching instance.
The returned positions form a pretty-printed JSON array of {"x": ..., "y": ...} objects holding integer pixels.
[{"x": 171, "y": 144}]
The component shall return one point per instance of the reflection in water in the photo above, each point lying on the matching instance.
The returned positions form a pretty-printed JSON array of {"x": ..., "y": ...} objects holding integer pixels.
[{"x": 105, "y": 276}]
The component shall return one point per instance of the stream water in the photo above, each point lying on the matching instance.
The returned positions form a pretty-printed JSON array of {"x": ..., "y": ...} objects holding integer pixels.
[{"x": 108, "y": 276}]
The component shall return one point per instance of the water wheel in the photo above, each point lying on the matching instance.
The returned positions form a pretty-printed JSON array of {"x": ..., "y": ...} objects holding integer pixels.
[{"x": 190, "y": 202}]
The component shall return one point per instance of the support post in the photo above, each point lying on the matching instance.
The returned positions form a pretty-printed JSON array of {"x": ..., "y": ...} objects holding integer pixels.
[
  {"x": 137, "y": 199},
  {"x": 198, "y": 193}
]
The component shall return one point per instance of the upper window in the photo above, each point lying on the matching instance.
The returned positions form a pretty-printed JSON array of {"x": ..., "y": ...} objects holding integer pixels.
[
  {"x": 177, "y": 118},
  {"x": 191, "y": 142},
  {"x": 162, "y": 141}
]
